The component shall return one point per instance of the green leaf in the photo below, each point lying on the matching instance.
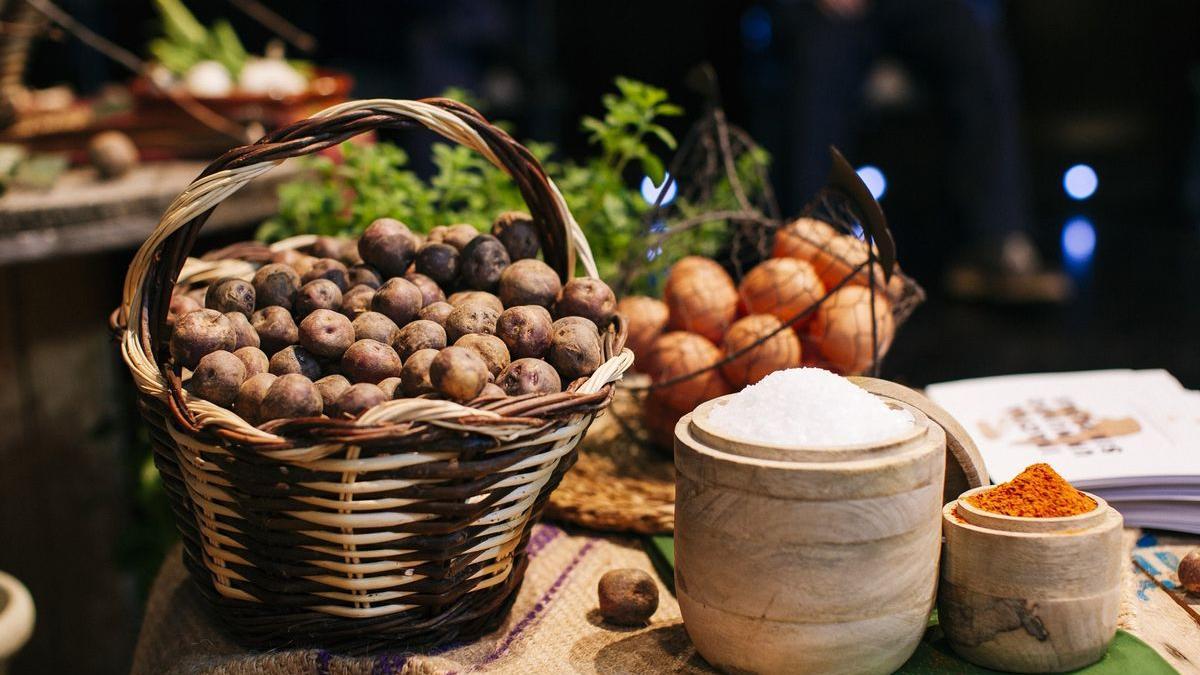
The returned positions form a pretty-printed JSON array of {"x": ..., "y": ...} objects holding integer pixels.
[
  {"x": 179, "y": 24},
  {"x": 226, "y": 47},
  {"x": 663, "y": 135},
  {"x": 654, "y": 168}
]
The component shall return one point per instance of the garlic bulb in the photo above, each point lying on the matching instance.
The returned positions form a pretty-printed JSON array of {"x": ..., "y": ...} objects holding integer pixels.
[
  {"x": 208, "y": 79},
  {"x": 271, "y": 77}
]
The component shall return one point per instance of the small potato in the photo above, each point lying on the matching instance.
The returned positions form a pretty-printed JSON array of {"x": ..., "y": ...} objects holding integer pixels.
[
  {"x": 490, "y": 348},
  {"x": 375, "y": 326},
  {"x": 276, "y": 284},
  {"x": 317, "y": 294},
  {"x": 199, "y": 333},
  {"x": 471, "y": 318},
  {"x": 525, "y": 330},
  {"x": 275, "y": 327},
  {"x": 529, "y": 282},
  {"x": 299, "y": 262},
  {"x": 363, "y": 274},
  {"x": 483, "y": 260},
  {"x": 325, "y": 247},
  {"x": 254, "y": 359},
  {"x": 250, "y": 396},
  {"x": 295, "y": 359},
  {"x": 585, "y": 324},
  {"x": 628, "y": 597},
  {"x": 430, "y": 291},
  {"x": 437, "y": 312},
  {"x": 246, "y": 335},
  {"x": 331, "y": 387},
  {"x": 399, "y": 300},
  {"x": 414, "y": 377},
  {"x": 181, "y": 304},
  {"x": 388, "y": 246},
  {"x": 326, "y": 333},
  {"x": 515, "y": 229},
  {"x": 196, "y": 294},
  {"x": 529, "y": 376},
  {"x": 328, "y": 268},
  {"x": 492, "y": 390},
  {"x": 574, "y": 349},
  {"x": 459, "y": 236},
  {"x": 589, "y": 298},
  {"x": 217, "y": 377},
  {"x": 418, "y": 335},
  {"x": 357, "y": 399},
  {"x": 370, "y": 361},
  {"x": 463, "y": 297},
  {"x": 390, "y": 386},
  {"x": 231, "y": 295},
  {"x": 439, "y": 262},
  {"x": 357, "y": 300},
  {"x": 348, "y": 253},
  {"x": 458, "y": 373},
  {"x": 291, "y": 395},
  {"x": 112, "y": 152}
]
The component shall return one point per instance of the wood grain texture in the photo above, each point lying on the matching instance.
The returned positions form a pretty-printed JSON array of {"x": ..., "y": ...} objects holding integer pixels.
[
  {"x": 964, "y": 464},
  {"x": 1016, "y": 595},
  {"x": 81, "y": 214},
  {"x": 807, "y": 566},
  {"x": 1162, "y": 615},
  {"x": 63, "y": 502}
]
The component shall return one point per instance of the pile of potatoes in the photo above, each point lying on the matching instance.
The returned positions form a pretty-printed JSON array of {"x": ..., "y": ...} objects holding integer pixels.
[
  {"x": 344, "y": 325},
  {"x": 704, "y": 315}
]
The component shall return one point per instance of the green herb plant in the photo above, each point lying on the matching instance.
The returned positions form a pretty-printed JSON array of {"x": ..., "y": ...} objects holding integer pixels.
[
  {"x": 341, "y": 199},
  {"x": 186, "y": 42}
]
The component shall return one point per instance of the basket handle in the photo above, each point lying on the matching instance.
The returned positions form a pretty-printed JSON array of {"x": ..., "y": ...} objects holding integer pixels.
[{"x": 154, "y": 270}]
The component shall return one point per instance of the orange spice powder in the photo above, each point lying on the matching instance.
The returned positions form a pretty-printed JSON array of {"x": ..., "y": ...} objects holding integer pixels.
[{"x": 1037, "y": 492}]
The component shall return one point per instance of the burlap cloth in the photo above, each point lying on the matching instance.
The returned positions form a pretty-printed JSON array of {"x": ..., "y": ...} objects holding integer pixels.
[{"x": 554, "y": 627}]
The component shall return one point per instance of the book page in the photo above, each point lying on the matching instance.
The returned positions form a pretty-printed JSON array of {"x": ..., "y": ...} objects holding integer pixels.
[{"x": 1090, "y": 426}]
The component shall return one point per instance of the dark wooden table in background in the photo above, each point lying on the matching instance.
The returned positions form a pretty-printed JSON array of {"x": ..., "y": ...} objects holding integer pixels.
[{"x": 65, "y": 401}]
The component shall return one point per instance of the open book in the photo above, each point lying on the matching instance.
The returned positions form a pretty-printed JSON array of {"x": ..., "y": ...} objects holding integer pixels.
[{"x": 1130, "y": 436}]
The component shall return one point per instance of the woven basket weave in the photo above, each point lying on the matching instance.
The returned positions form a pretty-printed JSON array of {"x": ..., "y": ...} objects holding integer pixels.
[{"x": 403, "y": 528}]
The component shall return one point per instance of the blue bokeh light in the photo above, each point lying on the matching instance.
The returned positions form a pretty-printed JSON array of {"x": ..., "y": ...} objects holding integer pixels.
[
  {"x": 650, "y": 191},
  {"x": 1080, "y": 182},
  {"x": 756, "y": 29},
  {"x": 1078, "y": 241},
  {"x": 875, "y": 180}
]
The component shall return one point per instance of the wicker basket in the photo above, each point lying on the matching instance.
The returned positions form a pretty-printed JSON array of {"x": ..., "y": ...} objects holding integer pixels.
[{"x": 403, "y": 528}]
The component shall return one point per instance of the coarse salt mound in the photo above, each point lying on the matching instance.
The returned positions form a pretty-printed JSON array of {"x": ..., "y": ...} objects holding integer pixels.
[{"x": 807, "y": 407}]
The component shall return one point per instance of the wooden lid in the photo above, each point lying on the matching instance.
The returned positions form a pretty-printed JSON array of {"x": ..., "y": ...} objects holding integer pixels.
[{"x": 964, "y": 465}]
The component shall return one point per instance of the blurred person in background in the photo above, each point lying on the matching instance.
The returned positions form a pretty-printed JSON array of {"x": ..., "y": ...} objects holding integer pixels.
[{"x": 959, "y": 55}]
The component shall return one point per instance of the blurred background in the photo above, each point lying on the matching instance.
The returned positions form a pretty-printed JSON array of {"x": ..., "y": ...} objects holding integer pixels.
[{"x": 1072, "y": 123}]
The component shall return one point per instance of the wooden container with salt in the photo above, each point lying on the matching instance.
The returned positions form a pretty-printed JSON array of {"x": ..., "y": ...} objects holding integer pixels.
[
  {"x": 1026, "y": 594},
  {"x": 807, "y": 559}
]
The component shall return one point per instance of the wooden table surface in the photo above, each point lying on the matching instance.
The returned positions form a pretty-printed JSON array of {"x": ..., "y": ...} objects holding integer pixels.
[
  {"x": 69, "y": 528},
  {"x": 82, "y": 214},
  {"x": 1154, "y": 609}
]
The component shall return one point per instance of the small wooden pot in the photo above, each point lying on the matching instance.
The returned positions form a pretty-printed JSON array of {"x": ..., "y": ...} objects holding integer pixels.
[
  {"x": 814, "y": 560},
  {"x": 1030, "y": 595}
]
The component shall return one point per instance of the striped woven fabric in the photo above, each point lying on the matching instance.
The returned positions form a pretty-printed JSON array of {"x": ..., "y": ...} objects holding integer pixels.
[{"x": 553, "y": 627}]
